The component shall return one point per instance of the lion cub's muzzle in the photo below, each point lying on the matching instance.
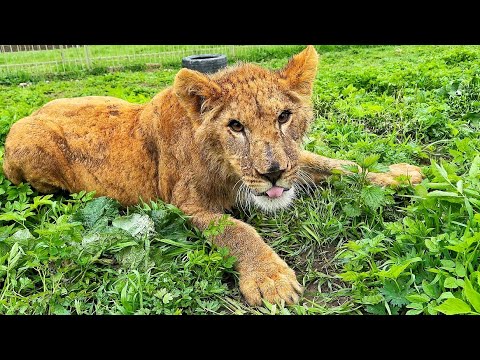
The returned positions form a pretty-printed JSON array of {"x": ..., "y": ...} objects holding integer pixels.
[
  {"x": 275, "y": 182},
  {"x": 273, "y": 177}
]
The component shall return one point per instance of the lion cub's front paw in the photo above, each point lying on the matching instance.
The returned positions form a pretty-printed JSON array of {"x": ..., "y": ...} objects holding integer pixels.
[
  {"x": 409, "y": 173},
  {"x": 270, "y": 278}
]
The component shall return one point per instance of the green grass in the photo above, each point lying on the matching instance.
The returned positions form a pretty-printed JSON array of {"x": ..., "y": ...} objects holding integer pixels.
[{"x": 357, "y": 248}]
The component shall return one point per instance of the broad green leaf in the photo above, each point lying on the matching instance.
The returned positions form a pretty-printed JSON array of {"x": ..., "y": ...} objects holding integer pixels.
[
  {"x": 460, "y": 186},
  {"x": 352, "y": 168},
  {"x": 439, "y": 193},
  {"x": 136, "y": 224},
  {"x": 351, "y": 210},
  {"x": 442, "y": 171},
  {"x": 471, "y": 192},
  {"x": 379, "y": 168},
  {"x": 130, "y": 256},
  {"x": 438, "y": 186},
  {"x": 431, "y": 308},
  {"x": 167, "y": 298},
  {"x": 60, "y": 310},
  {"x": 97, "y": 213},
  {"x": 414, "y": 311},
  {"x": 370, "y": 160},
  {"x": 474, "y": 201},
  {"x": 432, "y": 245},
  {"x": 450, "y": 283},
  {"x": 454, "y": 306},
  {"x": 349, "y": 89},
  {"x": 394, "y": 294},
  {"x": 447, "y": 264},
  {"x": 16, "y": 252},
  {"x": 41, "y": 200},
  {"x": 215, "y": 257},
  {"x": 460, "y": 269},
  {"x": 421, "y": 191},
  {"x": 373, "y": 196},
  {"x": 267, "y": 304},
  {"x": 429, "y": 289},
  {"x": 418, "y": 298},
  {"x": 3, "y": 259},
  {"x": 476, "y": 218},
  {"x": 415, "y": 305},
  {"x": 472, "y": 295},
  {"x": 465, "y": 243},
  {"x": 469, "y": 208},
  {"x": 12, "y": 216},
  {"x": 396, "y": 270},
  {"x": 474, "y": 171},
  {"x": 229, "y": 262},
  {"x": 446, "y": 295},
  {"x": 472, "y": 118},
  {"x": 459, "y": 248},
  {"x": 349, "y": 275},
  {"x": 159, "y": 293},
  {"x": 22, "y": 235},
  {"x": 372, "y": 299}
]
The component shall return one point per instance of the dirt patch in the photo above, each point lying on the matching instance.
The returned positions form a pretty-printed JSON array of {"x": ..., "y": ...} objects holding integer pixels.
[{"x": 324, "y": 283}]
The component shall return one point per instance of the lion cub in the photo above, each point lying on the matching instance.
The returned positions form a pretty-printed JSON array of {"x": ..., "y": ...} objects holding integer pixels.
[{"x": 203, "y": 145}]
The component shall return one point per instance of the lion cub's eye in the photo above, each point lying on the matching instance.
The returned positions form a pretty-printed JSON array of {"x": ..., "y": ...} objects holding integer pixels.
[
  {"x": 284, "y": 116},
  {"x": 235, "y": 125}
]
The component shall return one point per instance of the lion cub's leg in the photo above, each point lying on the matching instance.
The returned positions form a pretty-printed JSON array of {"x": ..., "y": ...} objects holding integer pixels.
[
  {"x": 31, "y": 156},
  {"x": 29, "y": 165},
  {"x": 263, "y": 274},
  {"x": 318, "y": 168}
]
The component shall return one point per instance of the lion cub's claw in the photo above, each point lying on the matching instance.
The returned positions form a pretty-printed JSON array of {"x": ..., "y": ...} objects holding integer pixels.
[{"x": 272, "y": 281}]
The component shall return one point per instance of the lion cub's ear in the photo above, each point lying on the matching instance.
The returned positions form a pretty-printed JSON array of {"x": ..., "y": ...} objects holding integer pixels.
[
  {"x": 299, "y": 73},
  {"x": 195, "y": 90}
]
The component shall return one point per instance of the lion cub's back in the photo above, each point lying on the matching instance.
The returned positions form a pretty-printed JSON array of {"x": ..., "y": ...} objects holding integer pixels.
[
  {"x": 86, "y": 143},
  {"x": 87, "y": 107}
]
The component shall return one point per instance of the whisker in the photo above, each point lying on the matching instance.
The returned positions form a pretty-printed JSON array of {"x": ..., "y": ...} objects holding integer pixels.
[
  {"x": 238, "y": 191},
  {"x": 308, "y": 182},
  {"x": 245, "y": 199},
  {"x": 311, "y": 182},
  {"x": 302, "y": 185},
  {"x": 237, "y": 183}
]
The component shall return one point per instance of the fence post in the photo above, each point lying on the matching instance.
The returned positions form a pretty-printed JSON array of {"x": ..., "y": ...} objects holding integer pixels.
[
  {"x": 63, "y": 57},
  {"x": 87, "y": 57}
]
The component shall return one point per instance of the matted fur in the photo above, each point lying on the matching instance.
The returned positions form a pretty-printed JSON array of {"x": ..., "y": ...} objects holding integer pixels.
[{"x": 179, "y": 148}]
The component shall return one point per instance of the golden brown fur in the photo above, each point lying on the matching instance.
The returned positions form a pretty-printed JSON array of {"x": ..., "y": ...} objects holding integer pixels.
[{"x": 181, "y": 147}]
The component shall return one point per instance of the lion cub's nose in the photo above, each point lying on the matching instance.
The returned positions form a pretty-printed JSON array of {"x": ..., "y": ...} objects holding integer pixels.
[{"x": 273, "y": 176}]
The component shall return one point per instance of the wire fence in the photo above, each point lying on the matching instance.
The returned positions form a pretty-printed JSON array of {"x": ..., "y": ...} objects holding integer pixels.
[{"x": 63, "y": 59}]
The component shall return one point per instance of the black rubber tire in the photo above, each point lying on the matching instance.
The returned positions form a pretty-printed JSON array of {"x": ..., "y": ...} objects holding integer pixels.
[{"x": 205, "y": 63}]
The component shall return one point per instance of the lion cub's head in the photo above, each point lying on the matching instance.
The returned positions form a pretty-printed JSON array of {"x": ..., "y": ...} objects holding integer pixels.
[{"x": 250, "y": 122}]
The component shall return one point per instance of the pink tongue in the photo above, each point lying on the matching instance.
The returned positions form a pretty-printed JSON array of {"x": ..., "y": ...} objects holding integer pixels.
[{"x": 275, "y": 192}]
